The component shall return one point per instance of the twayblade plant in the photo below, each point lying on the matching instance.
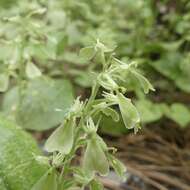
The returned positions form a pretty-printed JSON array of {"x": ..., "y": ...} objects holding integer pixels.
[{"x": 79, "y": 128}]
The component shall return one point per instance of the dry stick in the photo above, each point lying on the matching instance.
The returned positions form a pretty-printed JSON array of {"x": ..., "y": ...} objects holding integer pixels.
[
  {"x": 159, "y": 168},
  {"x": 161, "y": 144},
  {"x": 177, "y": 169},
  {"x": 167, "y": 179},
  {"x": 172, "y": 146},
  {"x": 154, "y": 154},
  {"x": 152, "y": 135},
  {"x": 149, "y": 168},
  {"x": 165, "y": 157},
  {"x": 145, "y": 178},
  {"x": 146, "y": 157}
]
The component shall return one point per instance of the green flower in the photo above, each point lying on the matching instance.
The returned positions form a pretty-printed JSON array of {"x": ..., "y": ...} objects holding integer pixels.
[
  {"x": 95, "y": 159},
  {"x": 128, "y": 111},
  {"x": 62, "y": 138}
]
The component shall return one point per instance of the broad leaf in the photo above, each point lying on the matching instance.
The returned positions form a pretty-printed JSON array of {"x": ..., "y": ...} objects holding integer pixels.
[
  {"x": 18, "y": 167},
  {"x": 179, "y": 113},
  {"x": 149, "y": 111},
  {"x": 169, "y": 65},
  {"x": 44, "y": 105}
]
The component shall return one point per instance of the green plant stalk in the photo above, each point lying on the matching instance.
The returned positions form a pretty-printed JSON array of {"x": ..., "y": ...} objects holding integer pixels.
[
  {"x": 94, "y": 92},
  {"x": 70, "y": 156}
]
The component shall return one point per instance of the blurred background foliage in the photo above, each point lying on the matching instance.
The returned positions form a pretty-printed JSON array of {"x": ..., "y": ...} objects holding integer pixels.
[{"x": 46, "y": 36}]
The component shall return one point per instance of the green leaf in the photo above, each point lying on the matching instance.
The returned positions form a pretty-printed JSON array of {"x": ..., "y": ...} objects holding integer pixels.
[
  {"x": 95, "y": 159},
  {"x": 129, "y": 112},
  {"x": 47, "y": 182},
  {"x": 96, "y": 185},
  {"x": 44, "y": 105},
  {"x": 169, "y": 66},
  {"x": 4, "y": 82},
  {"x": 62, "y": 138},
  {"x": 32, "y": 70},
  {"x": 84, "y": 78},
  {"x": 179, "y": 113},
  {"x": 18, "y": 167},
  {"x": 149, "y": 111},
  {"x": 87, "y": 53}
]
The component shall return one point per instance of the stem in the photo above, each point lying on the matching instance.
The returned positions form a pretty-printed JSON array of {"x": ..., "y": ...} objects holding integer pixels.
[
  {"x": 69, "y": 157},
  {"x": 95, "y": 89}
]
